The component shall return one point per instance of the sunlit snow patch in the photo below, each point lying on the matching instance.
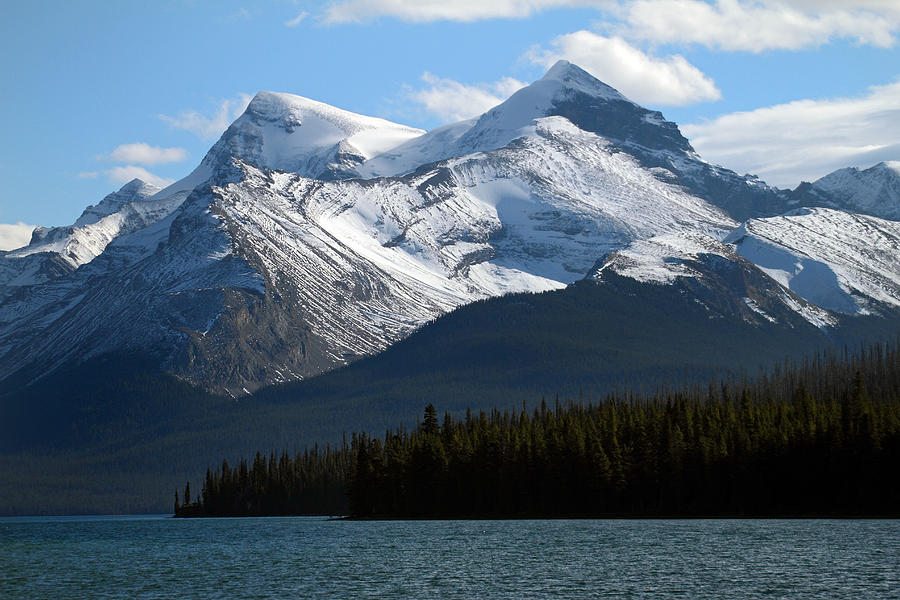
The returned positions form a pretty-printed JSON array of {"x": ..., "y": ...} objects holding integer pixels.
[{"x": 662, "y": 259}]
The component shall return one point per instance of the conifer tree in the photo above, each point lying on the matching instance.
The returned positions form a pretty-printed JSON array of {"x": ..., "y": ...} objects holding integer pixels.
[{"x": 430, "y": 422}]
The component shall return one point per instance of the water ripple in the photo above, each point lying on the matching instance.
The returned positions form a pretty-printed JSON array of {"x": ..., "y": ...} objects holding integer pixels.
[{"x": 315, "y": 558}]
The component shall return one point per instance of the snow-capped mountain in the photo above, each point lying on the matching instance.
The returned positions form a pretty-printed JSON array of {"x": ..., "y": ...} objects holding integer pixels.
[
  {"x": 310, "y": 236},
  {"x": 56, "y": 251},
  {"x": 291, "y": 133},
  {"x": 569, "y": 92},
  {"x": 874, "y": 191}
]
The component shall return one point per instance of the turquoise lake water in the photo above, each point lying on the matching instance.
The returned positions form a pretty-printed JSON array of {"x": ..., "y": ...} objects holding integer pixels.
[{"x": 299, "y": 557}]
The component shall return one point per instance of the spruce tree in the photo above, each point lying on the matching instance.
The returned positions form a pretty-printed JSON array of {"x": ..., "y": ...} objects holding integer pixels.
[{"x": 430, "y": 423}]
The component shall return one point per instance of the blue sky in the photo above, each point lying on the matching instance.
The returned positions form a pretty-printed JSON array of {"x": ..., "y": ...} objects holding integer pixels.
[{"x": 98, "y": 92}]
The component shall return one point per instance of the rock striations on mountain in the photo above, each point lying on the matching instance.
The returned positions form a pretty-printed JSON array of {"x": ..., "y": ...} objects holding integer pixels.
[{"x": 309, "y": 236}]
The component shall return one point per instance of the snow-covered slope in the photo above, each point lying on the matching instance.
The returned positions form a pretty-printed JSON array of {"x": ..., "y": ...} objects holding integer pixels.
[
  {"x": 56, "y": 251},
  {"x": 145, "y": 304},
  {"x": 533, "y": 216},
  {"x": 569, "y": 92},
  {"x": 129, "y": 209},
  {"x": 721, "y": 278},
  {"x": 849, "y": 263},
  {"x": 873, "y": 191},
  {"x": 135, "y": 190},
  {"x": 664, "y": 258},
  {"x": 292, "y": 133}
]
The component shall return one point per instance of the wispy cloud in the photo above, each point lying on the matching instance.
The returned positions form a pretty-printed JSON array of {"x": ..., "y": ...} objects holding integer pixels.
[
  {"x": 297, "y": 20},
  {"x": 806, "y": 139},
  {"x": 450, "y": 100},
  {"x": 241, "y": 14},
  {"x": 88, "y": 175},
  {"x": 126, "y": 173},
  {"x": 14, "y": 235},
  {"x": 355, "y": 11},
  {"x": 210, "y": 127},
  {"x": 756, "y": 26},
  {"x": 145, "y": 154},
  {"x": 642, "y": 77}
]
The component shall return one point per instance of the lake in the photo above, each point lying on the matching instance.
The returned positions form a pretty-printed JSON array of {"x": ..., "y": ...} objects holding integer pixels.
[{"x": 303, "y": 557}]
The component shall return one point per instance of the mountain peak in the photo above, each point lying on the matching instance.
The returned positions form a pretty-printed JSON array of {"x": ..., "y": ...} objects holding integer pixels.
[
  {"x": 889, "y": 165},
  {"x": 568, "y": 76},
  {"x": 559, "y": 69},
  {"x": 135, "y": 190},
  {"x": 568, "y": 91},
  {"x": 140, "y": 187},
  {"x": 874, "y": 191},
  {"x": 889, "y": 169},
  {"x": 291, "y": 133},
  {"x": 286, "y": 108}
]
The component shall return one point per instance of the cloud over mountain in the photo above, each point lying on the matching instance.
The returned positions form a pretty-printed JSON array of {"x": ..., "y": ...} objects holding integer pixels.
[
  {"x": 451, "y": 100},
  {"x": 209, "y": 127},
  {"x": 645, "y": 78},
  {"x": 14, "y": 235},
  {"x": 805, "y": 139}
]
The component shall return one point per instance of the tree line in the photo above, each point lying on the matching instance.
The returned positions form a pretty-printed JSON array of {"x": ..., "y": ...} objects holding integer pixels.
[{"x": 819, "y": 437}]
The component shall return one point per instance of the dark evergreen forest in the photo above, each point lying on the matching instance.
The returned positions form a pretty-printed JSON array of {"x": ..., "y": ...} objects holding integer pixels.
[{"x": 820, "y": 437}]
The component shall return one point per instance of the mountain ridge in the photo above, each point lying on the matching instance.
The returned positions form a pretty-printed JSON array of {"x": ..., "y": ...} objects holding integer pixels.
[{"x": 309, "y": 237}]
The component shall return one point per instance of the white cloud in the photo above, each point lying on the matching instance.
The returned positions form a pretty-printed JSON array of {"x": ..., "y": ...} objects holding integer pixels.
[
  {"x": 88, "y": 175},
  {"x": 755, "y": 26},
  {"x": 744, "y": 25},
  {"x": 806, "y": 139},
  {"x": 885, "y": 6},
  {"x": 146, "y": 154},
  {"x": 451, "y": 100},
  {"x": 355, "y": 11},
  {"x": 15, "y": 235},
  {"x": 644, "y": 78},
  {"x": 126, "y": 173},
  {"x": 297, "y": 20},
  {"x": 210, "y": 127}
]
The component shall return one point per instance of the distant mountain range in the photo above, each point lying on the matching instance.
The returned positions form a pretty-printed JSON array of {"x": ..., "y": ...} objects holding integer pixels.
[{"x": 310, "y": 237}]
